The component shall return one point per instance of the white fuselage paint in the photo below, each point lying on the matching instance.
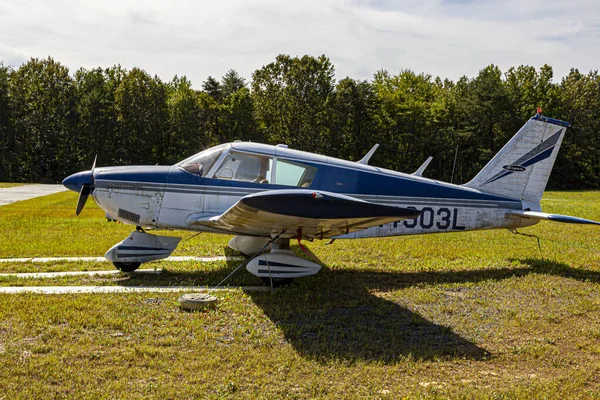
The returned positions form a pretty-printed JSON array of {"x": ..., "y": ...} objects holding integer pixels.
[{"x": 169, "y": 206}]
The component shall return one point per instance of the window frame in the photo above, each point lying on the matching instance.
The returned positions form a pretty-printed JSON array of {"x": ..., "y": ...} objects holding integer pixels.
[
  {"x": 230, "y": 150},
  {"x": 211, "y": 171},
  {"x": 301, "y": 163}
]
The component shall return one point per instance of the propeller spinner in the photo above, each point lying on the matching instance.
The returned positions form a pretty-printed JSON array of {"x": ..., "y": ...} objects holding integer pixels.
[{"x": 82, "y": 182}]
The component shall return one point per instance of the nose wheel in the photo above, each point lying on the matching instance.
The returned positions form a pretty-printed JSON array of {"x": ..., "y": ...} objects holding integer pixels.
[{"x": 127, "y": 266}]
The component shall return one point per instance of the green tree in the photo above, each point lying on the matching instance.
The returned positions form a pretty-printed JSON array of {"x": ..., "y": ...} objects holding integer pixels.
[
  {"x": 355, "y": 109},
  {"x": 485, "y": 109},
  {"x": 97, "y": 127},
  {"x": 529, "y": 89},
  {"x": 141, "y": 103},
  {"x": 213, "y": 88},
  {"x": 406, "y": 117},
  {"x": 43, "y": 97},
  {"x": 231, "y": 83},
  {"x": 292, "y": 101},
  {"x": 8, "y": 151},
  {"x": 227, "y": 110},
  {"x": 210, "y": 118},
  {"x": 578, "y": 163},
  {"x": 237, "y": 117},
  {"x": 187, "y": 137}
]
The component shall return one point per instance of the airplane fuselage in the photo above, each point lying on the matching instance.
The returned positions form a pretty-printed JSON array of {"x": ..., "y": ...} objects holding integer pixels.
[
  {"x": 266, "y": 195},
  {"x": 164, "y": 197}
]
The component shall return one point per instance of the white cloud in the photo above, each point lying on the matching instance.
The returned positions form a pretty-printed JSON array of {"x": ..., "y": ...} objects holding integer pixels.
[{"x": 447, "y": 38}]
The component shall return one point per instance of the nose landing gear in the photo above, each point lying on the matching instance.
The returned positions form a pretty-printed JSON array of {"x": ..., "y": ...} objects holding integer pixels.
[
  {"x": 127, "y": 266},
  {"x": 140, "y": 247}
]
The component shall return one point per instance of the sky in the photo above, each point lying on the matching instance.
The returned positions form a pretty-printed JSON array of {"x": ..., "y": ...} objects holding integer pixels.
[{"x": 446, "y": 38}]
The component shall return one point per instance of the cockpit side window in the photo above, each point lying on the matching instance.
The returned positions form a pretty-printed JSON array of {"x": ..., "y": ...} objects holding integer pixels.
[
  {"x": 292, "y": 173},
  {"x": 245, "y": 167},
  {"x": 201, "y": 163}
]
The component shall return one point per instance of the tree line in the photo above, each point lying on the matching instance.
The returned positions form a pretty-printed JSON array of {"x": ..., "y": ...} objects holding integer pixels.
[{"x": 52, "y": 123}]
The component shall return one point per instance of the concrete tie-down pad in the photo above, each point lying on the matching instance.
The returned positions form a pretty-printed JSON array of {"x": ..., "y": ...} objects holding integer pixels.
[{"x": 26, "y": 192}]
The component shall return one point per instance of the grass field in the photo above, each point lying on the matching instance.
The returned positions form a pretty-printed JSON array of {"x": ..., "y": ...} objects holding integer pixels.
[
  {"x": 478, "y": 314},
  {"x": 9, "y": 184}
]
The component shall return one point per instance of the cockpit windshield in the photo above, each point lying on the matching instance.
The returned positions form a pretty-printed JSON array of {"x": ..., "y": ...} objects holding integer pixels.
[{"x": 201, "y": 163}]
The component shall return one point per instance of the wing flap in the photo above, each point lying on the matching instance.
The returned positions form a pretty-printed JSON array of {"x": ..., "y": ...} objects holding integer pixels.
[
  {"x": 567, "y": 219},
  {"x": 318, "y": 214}
]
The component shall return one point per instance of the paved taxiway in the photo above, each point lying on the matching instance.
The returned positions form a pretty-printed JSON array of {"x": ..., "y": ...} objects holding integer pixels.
[{"x": 26, "y": 192}]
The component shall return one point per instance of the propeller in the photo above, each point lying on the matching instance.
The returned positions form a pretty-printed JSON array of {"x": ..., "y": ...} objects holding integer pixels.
[{"x": 86, "y": 189}]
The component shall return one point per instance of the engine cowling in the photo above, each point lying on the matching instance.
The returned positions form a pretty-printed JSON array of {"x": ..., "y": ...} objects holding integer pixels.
[{"x": 249, "y": 245}]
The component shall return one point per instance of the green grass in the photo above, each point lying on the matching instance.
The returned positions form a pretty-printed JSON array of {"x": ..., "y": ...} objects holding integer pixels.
[
  {"x": 47, "y": 226},
  {"x": 10, "y": 184},
  {"x": 472, "y": 315}
]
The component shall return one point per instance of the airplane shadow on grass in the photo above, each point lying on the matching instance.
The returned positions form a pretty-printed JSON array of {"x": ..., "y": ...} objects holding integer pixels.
[{"x": 334, "y": 315}]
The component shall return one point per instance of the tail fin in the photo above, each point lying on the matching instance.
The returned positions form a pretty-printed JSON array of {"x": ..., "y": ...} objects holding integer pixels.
[{"x": 522, "y": 168}]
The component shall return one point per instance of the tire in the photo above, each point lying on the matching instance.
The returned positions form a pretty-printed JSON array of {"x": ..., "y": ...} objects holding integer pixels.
[
  {"x": 277, "y": 282},
  {"x": 127, "y": 266}
]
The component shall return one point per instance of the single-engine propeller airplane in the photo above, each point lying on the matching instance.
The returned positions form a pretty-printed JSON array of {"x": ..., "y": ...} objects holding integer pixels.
[{"x": 267, "y": 195}]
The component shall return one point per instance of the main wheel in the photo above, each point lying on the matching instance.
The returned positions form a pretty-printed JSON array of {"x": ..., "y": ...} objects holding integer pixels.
[
  {"x": 277, "y": 282},
  {"x": 127, "y": 266}
]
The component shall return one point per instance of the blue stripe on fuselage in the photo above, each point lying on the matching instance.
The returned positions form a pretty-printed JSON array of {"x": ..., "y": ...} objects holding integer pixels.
[
  {"x": 145, "y": 173},
  {"x": 328, "y": 178}
]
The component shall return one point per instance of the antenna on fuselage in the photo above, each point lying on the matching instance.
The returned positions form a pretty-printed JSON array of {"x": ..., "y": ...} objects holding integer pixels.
[
  {"x": 421, "y": 169},
  {"x": 367, "y": 157},
  {"x": 454, "y": 166}
]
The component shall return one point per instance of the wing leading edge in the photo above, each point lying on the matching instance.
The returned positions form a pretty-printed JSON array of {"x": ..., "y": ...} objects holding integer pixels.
[{"x": 318, "y": 214}]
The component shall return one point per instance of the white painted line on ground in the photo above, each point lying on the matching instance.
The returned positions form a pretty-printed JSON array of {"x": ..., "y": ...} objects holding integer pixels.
[
  {"x": 102, "y": 259},
  {"x": 203, "y": 259},
  {"x": 26, "y": 192},
  {"x": 42, "y": 275},
  {"x": 122, "y": 289}
]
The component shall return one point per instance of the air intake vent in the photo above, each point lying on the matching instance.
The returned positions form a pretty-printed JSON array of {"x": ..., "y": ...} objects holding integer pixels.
[{"x": 128, "y": 215}]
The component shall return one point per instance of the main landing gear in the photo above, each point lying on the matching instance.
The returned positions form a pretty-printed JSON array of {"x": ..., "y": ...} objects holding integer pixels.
[
  {"x": 278, "y": 267},
  {"x": 281, "y": 265}
]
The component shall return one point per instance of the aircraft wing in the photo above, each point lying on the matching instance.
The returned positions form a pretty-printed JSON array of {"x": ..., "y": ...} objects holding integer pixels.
[
  {"x": 553, "y": 217},
  {"x": 319, "y": 214}
]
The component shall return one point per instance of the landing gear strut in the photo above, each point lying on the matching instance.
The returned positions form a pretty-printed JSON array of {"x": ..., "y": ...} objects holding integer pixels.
[{"x": 283, "y": 245}]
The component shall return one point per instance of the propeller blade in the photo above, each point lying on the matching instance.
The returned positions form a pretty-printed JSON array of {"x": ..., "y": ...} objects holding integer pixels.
[
  {"x": 94, "y": 164},
  {"x": 83, "y": 196}
]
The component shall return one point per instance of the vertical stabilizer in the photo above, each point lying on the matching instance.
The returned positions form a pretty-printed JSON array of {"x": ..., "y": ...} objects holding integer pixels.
[{"x": 522, "y": 168}]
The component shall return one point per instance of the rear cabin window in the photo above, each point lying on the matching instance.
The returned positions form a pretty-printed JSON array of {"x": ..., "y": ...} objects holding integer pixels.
[
  {"x": 292, "y": 173},
  {"x": 245, "y": 167}
]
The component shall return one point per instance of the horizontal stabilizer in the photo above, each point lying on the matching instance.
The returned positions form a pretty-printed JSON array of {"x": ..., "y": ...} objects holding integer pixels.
[{"x": 553, "y": 217}]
